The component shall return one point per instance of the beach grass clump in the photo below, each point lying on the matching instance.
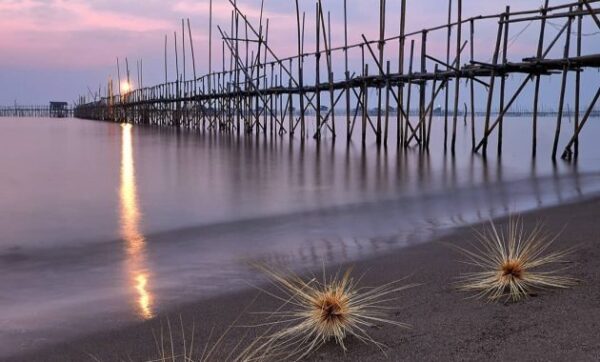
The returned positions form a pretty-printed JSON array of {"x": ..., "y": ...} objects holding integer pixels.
[
  {"x": 514, "y": 263},
  {"x": 315, "y": 312},
  {"x": 182, "y": 349}
]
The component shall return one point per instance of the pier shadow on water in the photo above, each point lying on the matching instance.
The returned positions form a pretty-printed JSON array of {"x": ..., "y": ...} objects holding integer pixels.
[{"x": 105, "y": 224}]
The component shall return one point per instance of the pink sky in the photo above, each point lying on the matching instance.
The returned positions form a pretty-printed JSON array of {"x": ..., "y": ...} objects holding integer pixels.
[{"x": 78, "y": 41}]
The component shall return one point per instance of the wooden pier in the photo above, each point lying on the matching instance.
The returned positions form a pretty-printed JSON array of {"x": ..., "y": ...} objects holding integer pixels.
[
  {"x": 53, "y": 110},
  {"x": 257, "y": 91}
]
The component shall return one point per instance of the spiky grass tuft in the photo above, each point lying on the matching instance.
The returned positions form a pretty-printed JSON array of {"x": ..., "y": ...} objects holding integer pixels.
[
  {"x": 180, "y": 350},
  {"x": 315, "y": 312},
  {"x": 513, "y": 263}
]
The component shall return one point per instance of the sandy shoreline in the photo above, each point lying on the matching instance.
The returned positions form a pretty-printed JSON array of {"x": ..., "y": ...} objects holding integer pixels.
[{"x": 555, "y": 325}]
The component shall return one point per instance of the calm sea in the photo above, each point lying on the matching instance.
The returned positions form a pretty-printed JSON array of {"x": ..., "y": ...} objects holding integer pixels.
[{"x": 104, "y": 224}]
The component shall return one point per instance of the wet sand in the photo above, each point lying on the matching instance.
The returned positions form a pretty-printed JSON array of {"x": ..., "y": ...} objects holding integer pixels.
[{"x": 553, "y": 325}]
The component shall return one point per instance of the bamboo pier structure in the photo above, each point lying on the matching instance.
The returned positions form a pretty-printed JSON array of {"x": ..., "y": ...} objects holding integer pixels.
[
  {"x": 259, "y": 92},
  {"x": 36, "y": 111}
]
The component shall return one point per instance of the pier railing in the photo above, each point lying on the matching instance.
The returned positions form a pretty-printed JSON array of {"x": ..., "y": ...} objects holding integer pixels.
[{"x": 257, "y": 91}]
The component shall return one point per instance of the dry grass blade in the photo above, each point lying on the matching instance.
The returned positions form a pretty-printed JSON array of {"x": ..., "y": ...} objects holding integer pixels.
[
  {"x": 315, "y": 312},
  {"x": 512, "y": 263},
  {"x": 213, "y": 350}
]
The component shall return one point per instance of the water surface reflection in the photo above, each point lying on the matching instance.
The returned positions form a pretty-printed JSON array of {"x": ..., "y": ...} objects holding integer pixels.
[
  {"x": 167, "y": 216},
  {"x": 137, "y": 270}
]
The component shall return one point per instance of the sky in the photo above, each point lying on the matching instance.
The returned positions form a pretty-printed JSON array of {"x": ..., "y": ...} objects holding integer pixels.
[{"x": 60, "y": 49}]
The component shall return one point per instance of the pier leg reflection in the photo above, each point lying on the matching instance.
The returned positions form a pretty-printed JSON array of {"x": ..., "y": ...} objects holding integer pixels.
[{"x": 135, "y": 243}]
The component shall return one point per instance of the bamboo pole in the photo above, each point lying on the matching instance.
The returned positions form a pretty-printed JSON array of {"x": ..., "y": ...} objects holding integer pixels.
[
  {"x": 127, "y": 71},
  {"x": 119, "y": 76},
  {"x": 210, "y": 89},
  {"x": 400, "y": 101},
  {"x": 578, "y": 82},
  {"x": 192, "y": 48},
  {"x": 330, "y": 72},
  {"x": 447, "y": 95},
  {"x": 183, "y": 47},
  {"x": 238, "y": 100},
  {"x": 177, "y": 84},
  {"x": 291, "y": 105},
  {"x": 347, "y": 73},
  {"x": 503, "y": 79},
  {"x": 457, "y": 76},
  {"x": 563, "y": 87},
  {"x": 380, "y": 46},
  {"x": 567, "y": 152},
  {"x": 141, "y": 73},
  {"x": 536, "y": 91},
  {"x": 422, "y": 89},
  {"x": 318, "y": 70},
  {"x": 410, "y": 72},
  {"x": 472, "y": 83},
  {"x": 365, "y": 107},
  {"x": 433, "y": 95},
  {"x": 265, "y": 83},
  {"x": 491, "y": 87},
  {"x": 300, "y": 72}
]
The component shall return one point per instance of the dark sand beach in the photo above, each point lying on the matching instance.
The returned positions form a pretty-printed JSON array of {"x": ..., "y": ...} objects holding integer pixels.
[{"x": 554, "y": 325}]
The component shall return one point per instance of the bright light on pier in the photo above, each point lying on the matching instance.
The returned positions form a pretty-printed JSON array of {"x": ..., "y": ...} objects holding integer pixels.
[{"x": 125, "y": 87}]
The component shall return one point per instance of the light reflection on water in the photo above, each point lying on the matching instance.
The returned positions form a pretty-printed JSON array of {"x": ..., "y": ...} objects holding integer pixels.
[
  {"x": 130, "y": 226},
  {"x": 74, "y": 235}
]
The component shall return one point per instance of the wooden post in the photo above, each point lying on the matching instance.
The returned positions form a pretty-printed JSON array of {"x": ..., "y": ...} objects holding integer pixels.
[
  {"x": 563, "y": 87},
  {"x": 210, "y": 92},
  {"x": 433, "y": 90},
  {"x": 271, "y": 125},
  {"x": 567, "y": 152},
  {"x": 192, "y": 48},
  {"x": 318, "y": 70},
  {"x": 422, "y": 89},
  {"x": 472, "y": 83},
  {"x": 239, "y": 106},
  {"x": 291, "y": 106},
  {"x": 257, "y": 62},
  {"x": 265, "y": 83},
  {"x": 300, "y": 72},
  {"x": 400, "y": 102},
  {"x": 447, "y": 100},
  {"x": 127, "y": 71},
  {"x": 183, "y": 47},
  {"x": 365, "y": 105},
  {"x": 503, "y": 79},
  {"x": 119, "y": 76},
  {"x": 491, "y": 88},
  {"x": 347, "y": 74},
  {"x": 536, "y": 93},
  {"x": 141, "y": 73},
  {"x": 177, "y": 78},
  {"x": 577, "y": 82},
  {"x": 380, "y": 46},
  {"x": 387, "y": 102},
  {"x": 457, "y": 76},
  {"x": 194, "y": 92},
  {"x": 330, "y": 72},
  {"x": 410, "y": 72}
]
